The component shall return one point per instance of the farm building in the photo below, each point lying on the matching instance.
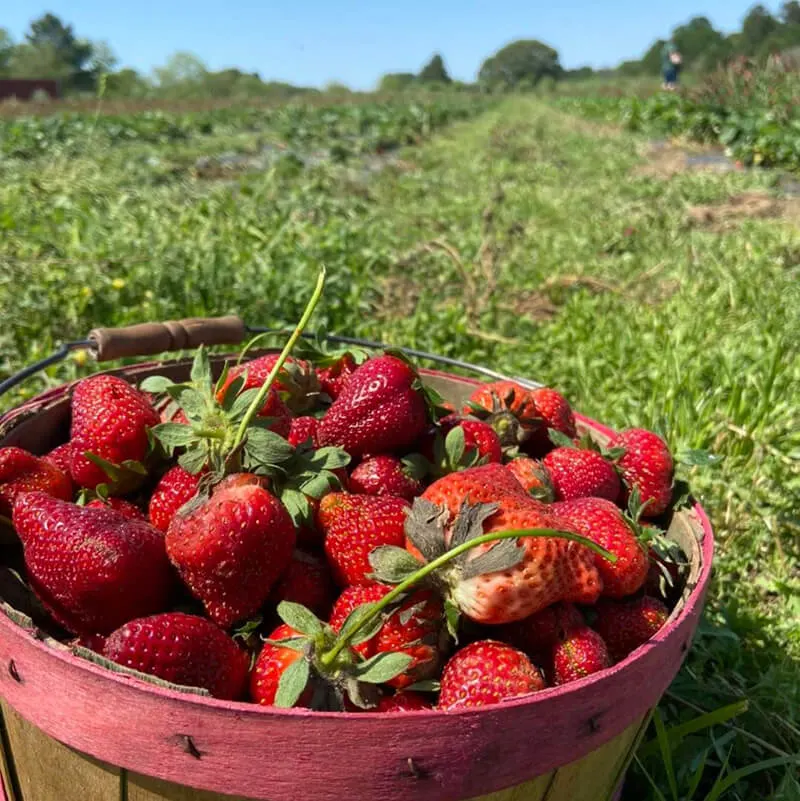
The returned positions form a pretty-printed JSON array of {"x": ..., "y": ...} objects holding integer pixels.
[{"x": 25, "y": 88}]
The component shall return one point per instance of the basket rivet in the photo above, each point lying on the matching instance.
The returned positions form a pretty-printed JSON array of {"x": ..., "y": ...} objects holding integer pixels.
[
  {"x": 415, "y": 771},
  {"x": 189, "y": 747},
  {"x": 14, "y": 673},
  {"x": 594, "y": 724}
]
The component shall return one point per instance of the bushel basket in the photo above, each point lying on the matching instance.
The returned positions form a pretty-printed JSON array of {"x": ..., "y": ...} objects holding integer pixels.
[{"x": 72, "y": 730}]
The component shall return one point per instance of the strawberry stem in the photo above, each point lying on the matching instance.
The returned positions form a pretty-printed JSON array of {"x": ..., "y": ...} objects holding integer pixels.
[
  {"x": 328, "y": 658},
  {"x": 284, "y": 354}
]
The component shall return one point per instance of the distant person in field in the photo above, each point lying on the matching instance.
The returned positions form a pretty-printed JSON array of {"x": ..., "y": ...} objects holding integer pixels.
[{"x": 670, "y": 66}]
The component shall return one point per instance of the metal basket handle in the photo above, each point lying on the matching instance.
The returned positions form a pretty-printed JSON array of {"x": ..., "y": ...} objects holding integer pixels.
[{"x": 147, "y": 339}]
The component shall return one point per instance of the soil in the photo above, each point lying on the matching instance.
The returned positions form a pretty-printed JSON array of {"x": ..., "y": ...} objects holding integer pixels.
[{"x": 736, "y": 209}]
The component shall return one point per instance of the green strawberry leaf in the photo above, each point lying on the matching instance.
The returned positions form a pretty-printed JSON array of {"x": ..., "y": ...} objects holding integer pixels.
[
  {"x": 318, "y": 484},
  {"x": 452, "y": 616},
  {"x": 415, "y": 466},
  {"x": 454, "y": 446},
  {"x": 156, "y": 384},
  {"x": 232, "y": 392},
  {"x": 297, "y": 505},
  {"x": 223, "y": 377},
  {"x": 264, "y": 447},
  {"x": 201, "y": 370},
  {"x": 173, "y": 435},
  {"x": 424, "y": 686},
  {"x": 248, "y": 628},
  {"x": 299, "y": 644},
  {"x": 382, "y": 667},
  {"x": 391, "y": 564},
  {"x": 194, "y": 404},
  {"x": 292, "y": 683},
  {"x": 353, "y": 623},
  {"x": 559, "y": 438},
  {"x": 193, "y": 460},
  {"x": 300, "y": 618},
  {"x": 241, "y": 402}
]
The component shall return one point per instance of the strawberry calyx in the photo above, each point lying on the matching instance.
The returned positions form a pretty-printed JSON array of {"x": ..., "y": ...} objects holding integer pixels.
[
  {"x": 123, "y": 478},
  {"x": 451, "y": 454},
  {"x": 345, "y": 677},
  {"x": 513, "y": 429}
]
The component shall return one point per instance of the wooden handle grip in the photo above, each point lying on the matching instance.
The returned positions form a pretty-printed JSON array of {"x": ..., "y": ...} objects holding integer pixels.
[{"x": 149, "y": 338}]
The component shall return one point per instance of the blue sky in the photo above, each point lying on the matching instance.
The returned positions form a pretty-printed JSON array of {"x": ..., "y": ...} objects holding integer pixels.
[{"x": 311, "y": 42}]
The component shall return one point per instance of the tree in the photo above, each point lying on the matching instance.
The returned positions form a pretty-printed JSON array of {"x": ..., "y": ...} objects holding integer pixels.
[
  {"x": 396, "y": 81},
  {"x": 757, "y": 26},
  {"x": 790, "y": 13},
  {"x": 696, "y": 39},
  {"x": 57, "y": 43},
  {"x": 182, "y": 71},
  {"x": 651, "y": 60},
  {"x": 103, "y": 60},
  {"x": 127, "y": 83},
  {"x": 434, "y": 71},
  {"x": 520, "y": 60},
  {"x": 6, "y": 50}
]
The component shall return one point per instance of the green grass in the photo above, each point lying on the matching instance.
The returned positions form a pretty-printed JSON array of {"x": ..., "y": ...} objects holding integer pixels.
[{"x": 563, "y": 266}]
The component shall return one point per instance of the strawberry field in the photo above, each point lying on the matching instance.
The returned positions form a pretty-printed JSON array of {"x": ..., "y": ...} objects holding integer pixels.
[{"x": 520, "y": 234}]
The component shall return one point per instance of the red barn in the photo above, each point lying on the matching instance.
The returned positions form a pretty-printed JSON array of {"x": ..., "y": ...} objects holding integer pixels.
[{"x": 24, "y": 88}]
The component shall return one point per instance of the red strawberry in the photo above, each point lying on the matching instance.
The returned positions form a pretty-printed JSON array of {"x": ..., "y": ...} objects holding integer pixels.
[
  {"x": 487, "y": 672},
  {"x": 386, "y": 475},
  {"x": 482, "y": 484},
  {"x": 481, "y": 444},
  {"x": 182, "y": 649},
  {"x": 232, "y": 548},
  {"x": 381, "y": 409},
  {"x": 110, "y": 419},
  {"x": 297, "y": 382},
  {"x": 408, "y": 701},
  {"x": 415, "y": 628},
  {"x": 335, "y": 377},
  {"x": 125, "y": 508},
  {"x": 533, "y": 477},
  {"x": 303, "y": 429},
  {"x": 626, "y": 626},
  {"x": 537, "y": 634},
  {"x": 507, "y": 407},
  {"x": 61, "y": 457},
  {"x": 270, "y": 666},
  {"x": 307, "y": 581},
  {"x": 602, "y": 522},
  {"x": 646, "y": 465},
  {"x": 353, "y": 597},
  {"x": 576, "y": 473},
  {"x": 512, "y": 581},
  {"x": 580, "y": 653},
  {"x": 22, "y": 472},
  {"x": 553, "y": 411},
  {"x": 354, "y": 525},
  {"x": 92, "y": 568},
  {"x": 175, "y": 488}
]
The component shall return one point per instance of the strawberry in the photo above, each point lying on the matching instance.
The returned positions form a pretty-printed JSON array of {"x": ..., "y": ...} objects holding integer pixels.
[
  {"x": 387, "y": 475},
  {"x": 487, "y": 672},
  {"x": 93, "y": 569},
  {"x": 478, "y": 444},
  {"x": 646, "y": 466},
  {"x": 537, "y": 634},
  {"x": 481, "y": 484},
  {"x": 501, "y": 581},
  {"x": 232, "y": 547},
  {"x": 125, "y": 508},
  {"x": 110, "y": 419},
  {"x": 416, "y": 629},
  {"x": 351, "y": 598},
  {"x": 333, "y": 378},
  {"x": 307, "y": 581},
  {"x": 353, "y": 526},
  {"x": 175, "y": 488},
  {"x": 408, "y": 701},
  {"x": 22, "y": 472},
  {"x": 580, "y": 653},
  {"x": 303, "y": 429},
  {"x": 553, "y": 411},
  {"x": 533, "y": 477},
  {"x": 270, "y": 665},
  {"x": 626, "y": 626},
  {"x": 182, "y": 649},
  {"x": 61, "y": 457},
  {"x": 296, "y": 383},
  {"x": 507, "y": 407},
  {"x": 602, "y": 522},
  {"x": 382, "y": 408},
  {"x": 576, "y": 473}
]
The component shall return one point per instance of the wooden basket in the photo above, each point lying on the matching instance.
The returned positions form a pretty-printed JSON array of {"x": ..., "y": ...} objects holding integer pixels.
[{"x": 75, "y": 731}]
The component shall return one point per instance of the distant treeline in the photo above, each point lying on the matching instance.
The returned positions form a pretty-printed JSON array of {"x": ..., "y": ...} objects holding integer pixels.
[{"x": 51, "y": 49}]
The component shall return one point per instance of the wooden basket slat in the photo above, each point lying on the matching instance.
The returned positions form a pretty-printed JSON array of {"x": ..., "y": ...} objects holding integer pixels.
[
  {"x": 46, "y": 770},
  {"x": 145, "y": 788}
]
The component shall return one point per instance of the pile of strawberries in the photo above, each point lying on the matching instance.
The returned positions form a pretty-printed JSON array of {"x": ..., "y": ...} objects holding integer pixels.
[{"x": 328, "y": 533}]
